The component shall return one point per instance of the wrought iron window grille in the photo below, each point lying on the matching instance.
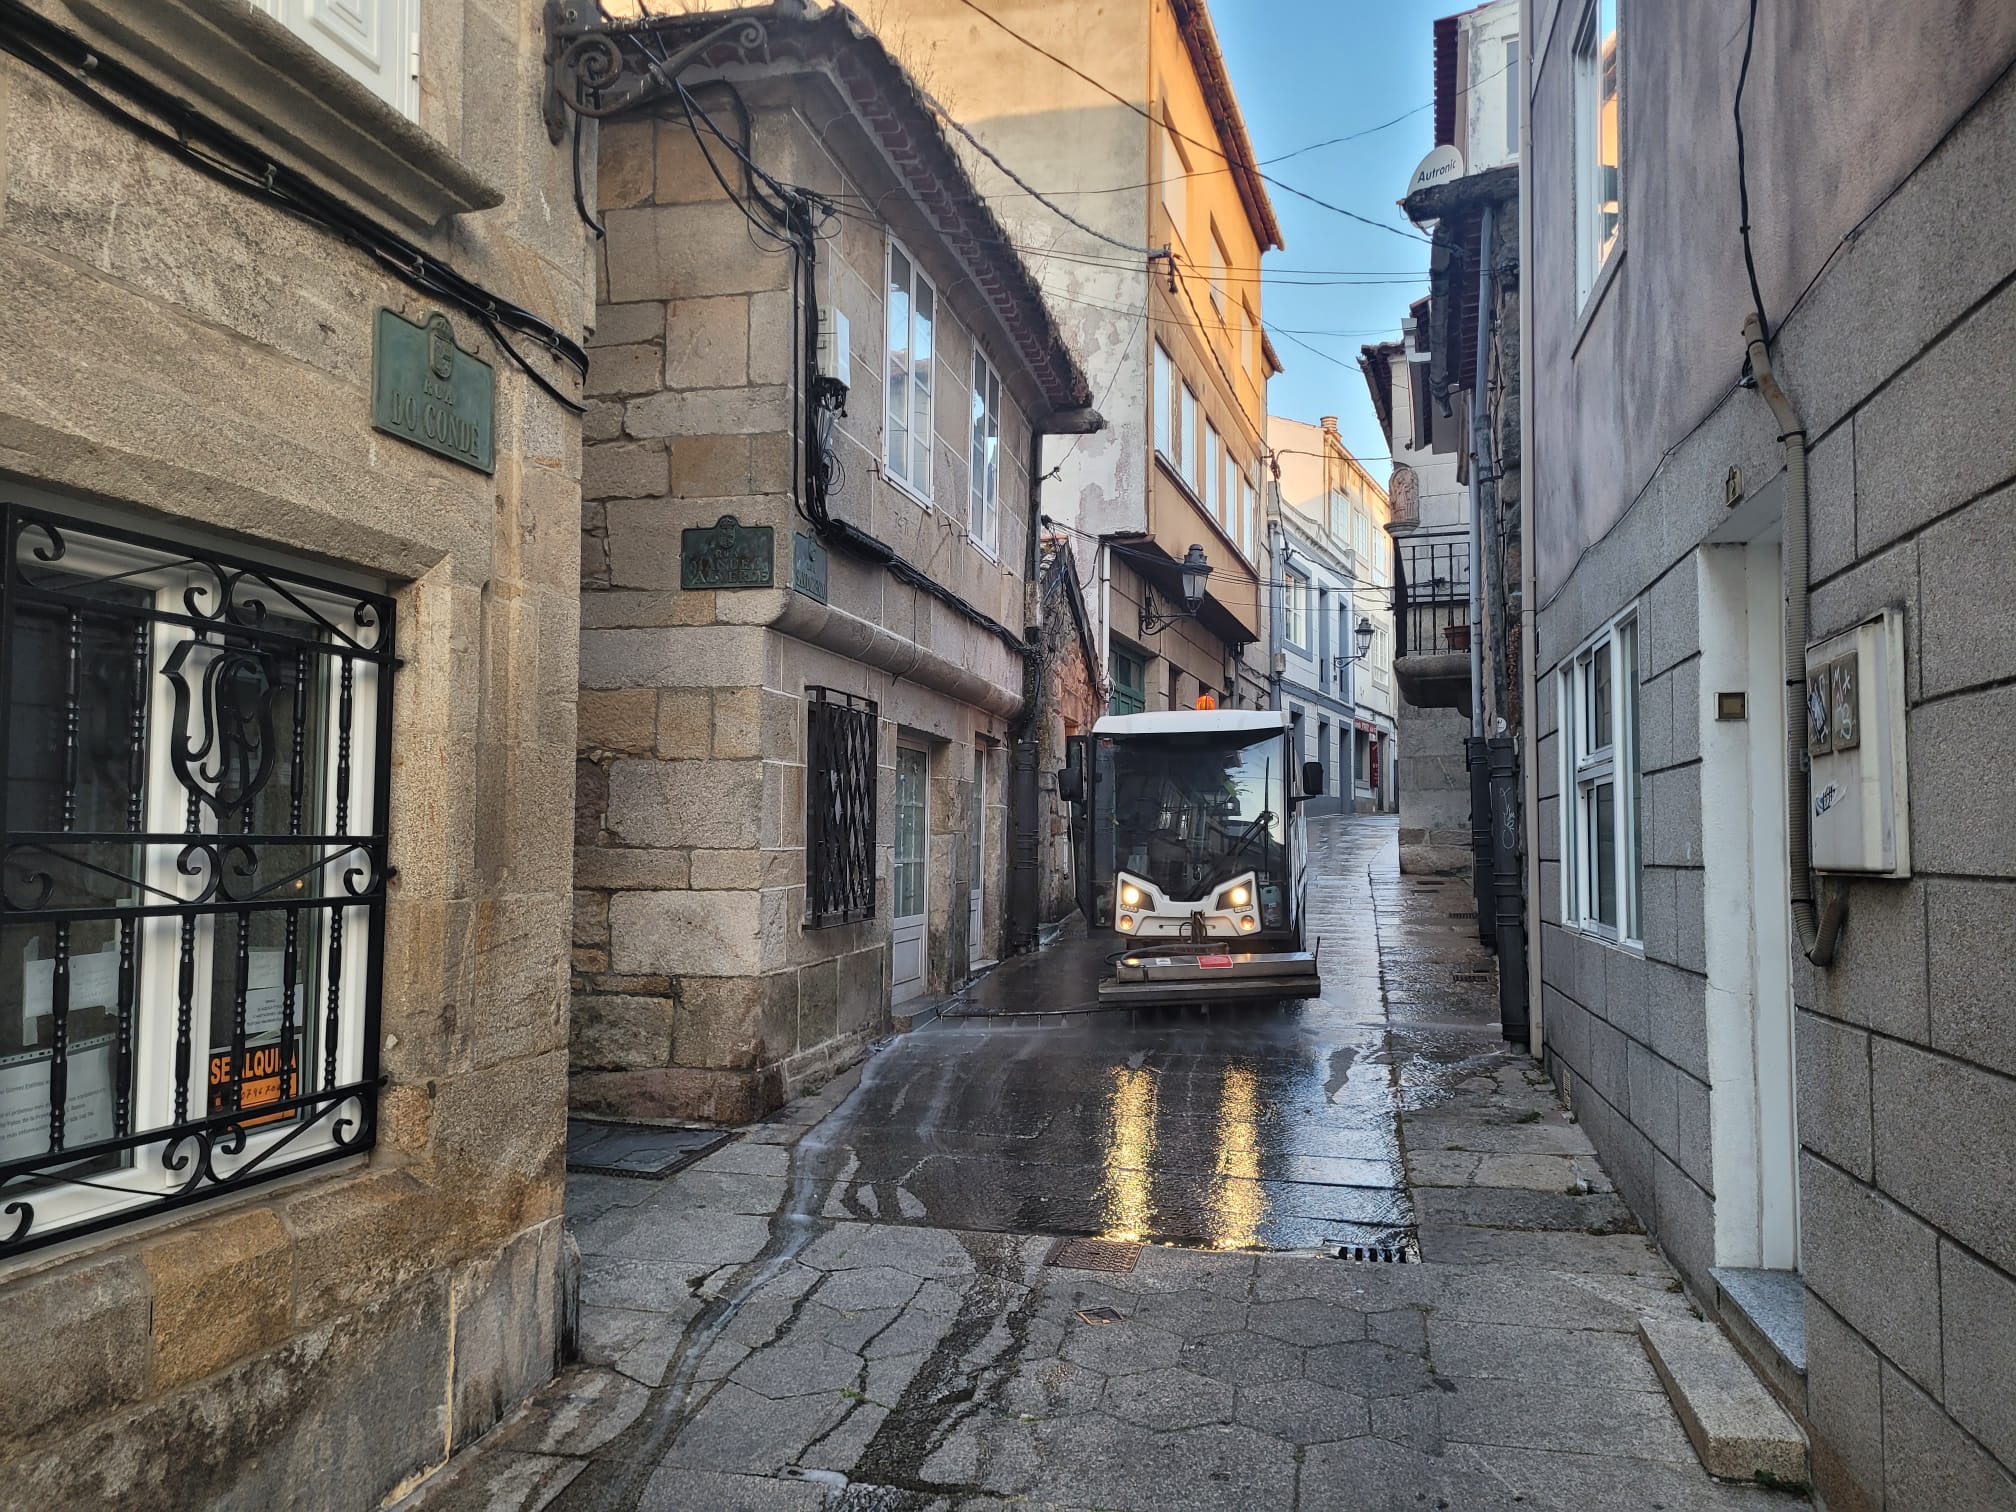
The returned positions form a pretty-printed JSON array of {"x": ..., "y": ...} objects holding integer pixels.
[
  {"x": 840, "y": 782},
  {"x": 1431, "y": 597},
  {"x": 193, "y": 787}
]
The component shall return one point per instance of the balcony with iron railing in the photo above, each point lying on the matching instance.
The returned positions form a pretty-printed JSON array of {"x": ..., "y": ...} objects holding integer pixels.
[{"x": 1431, "y": 618}]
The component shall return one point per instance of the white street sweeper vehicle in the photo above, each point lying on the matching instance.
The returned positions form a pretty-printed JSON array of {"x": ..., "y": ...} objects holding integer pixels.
[{"x": 1190, "y": 854}]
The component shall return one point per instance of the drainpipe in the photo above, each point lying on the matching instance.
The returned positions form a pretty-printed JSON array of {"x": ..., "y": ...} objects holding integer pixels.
[
  {"x": 1819, "y": 931},
  {"x": 1277, "y": 592},
  {"x": 1529, "y": 652},
  {"x": 1478, "y": 426},
  {"x": 1476, "y": 749}
]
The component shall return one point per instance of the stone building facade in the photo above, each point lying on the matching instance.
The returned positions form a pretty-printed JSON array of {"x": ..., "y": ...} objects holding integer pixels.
[
  {"x": 1821, "y": 1145},
  {"x": 1331, "y": 570},
  {"x": 1074, "y": 699},
  {"x": 753, "y": 897},
  {"x": 1430, "y": 527},
  {"x": 347, "y": 825}
]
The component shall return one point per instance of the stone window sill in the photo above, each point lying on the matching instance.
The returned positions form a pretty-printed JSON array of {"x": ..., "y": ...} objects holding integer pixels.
[{"x": 250, "y": 74}]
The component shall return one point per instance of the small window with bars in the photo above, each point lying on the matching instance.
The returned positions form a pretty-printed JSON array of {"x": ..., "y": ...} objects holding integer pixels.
[
  {"x": 192, "y": 872},
  {"x": 840, "y": 775}
]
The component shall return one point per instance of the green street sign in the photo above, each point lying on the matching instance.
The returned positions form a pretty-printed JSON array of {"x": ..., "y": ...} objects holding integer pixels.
[
  {"x": 726, "y": 554},
  {"x": 427, "y": 390}
]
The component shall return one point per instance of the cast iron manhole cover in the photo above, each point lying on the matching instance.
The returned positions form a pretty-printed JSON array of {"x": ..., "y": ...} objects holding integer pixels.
[
  {"x": 1111, "y": 1255},
  {"x": 652, "y": 1151}
]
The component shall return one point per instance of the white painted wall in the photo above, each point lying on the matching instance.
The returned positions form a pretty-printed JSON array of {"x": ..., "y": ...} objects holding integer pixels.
[
  {"x": 1489, "y": 128},
  {"x": 1749, "y": 997}
]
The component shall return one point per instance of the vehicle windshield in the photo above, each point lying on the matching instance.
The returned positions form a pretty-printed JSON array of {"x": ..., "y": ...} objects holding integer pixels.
[{"x": 1190, "y": 812}]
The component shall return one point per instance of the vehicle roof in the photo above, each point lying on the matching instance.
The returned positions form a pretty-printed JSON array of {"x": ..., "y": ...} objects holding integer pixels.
[{"x": 1192, "y": 722}]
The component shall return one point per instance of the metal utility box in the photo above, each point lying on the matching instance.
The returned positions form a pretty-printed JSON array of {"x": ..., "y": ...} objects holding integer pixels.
[{"x": 1861, "y": 796}]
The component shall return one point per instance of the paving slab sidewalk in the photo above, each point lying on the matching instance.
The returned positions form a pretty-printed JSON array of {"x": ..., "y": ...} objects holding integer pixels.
[{"x": 746, "y": 1344}]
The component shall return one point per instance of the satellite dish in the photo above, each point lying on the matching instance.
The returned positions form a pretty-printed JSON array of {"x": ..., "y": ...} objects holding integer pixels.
[{"x": 1439, "y": 167}]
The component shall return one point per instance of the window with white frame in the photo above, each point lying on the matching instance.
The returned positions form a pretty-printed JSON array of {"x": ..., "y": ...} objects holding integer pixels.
[
  {"x": 1220, "y": 265},
  {"x": 1164, "y": 404},
  {"x": 193, "y": 867},
  {"x": 1190, "y": 439},
  {"x": 1249, "y": 517},
  {"x": 984, "y": 459},
  {"x": 1214, "y": 467},
  {"x": 1248, "y": 347},
  {"x": 376, "y": 42},
  {"x": 1600, "y": 839},
  {"x": 1599, "y": 162},
  {"x": 1175, "y": 174},
  {"x": 1295, "y": 608},
  {"x": 907, "y": 419}
]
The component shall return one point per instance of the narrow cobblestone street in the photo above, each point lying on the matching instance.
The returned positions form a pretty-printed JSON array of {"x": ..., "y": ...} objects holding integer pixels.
[{"x": 850, "y": 1306}]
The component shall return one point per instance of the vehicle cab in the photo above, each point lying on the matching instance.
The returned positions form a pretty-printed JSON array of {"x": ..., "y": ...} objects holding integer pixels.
[{"x": 1190, "y": 852}]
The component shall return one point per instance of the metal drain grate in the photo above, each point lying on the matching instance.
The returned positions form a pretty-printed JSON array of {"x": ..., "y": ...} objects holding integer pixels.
[
  {"x": 1401, "y": 1252},
  {"x": 1099, "y": 1317},
  {"x": 1113, "y": 1256}
]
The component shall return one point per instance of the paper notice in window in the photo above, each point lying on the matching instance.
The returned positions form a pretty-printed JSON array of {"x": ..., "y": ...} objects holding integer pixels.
[
  {"x": 94, "y": 983},
  {"x": 265, "y": 984},
  {"x": 24, "y": 1100}
]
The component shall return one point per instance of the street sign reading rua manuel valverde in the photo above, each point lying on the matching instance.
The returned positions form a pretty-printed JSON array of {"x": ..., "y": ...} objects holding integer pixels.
[{"x": 427, "y": 390}]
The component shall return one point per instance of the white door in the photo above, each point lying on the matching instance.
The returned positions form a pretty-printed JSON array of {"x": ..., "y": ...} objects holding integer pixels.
[
  {"x": 976, "y": 952},
  {"x": 906, "y": 930}
]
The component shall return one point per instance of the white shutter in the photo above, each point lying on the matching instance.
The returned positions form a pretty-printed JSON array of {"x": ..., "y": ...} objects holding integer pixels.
[{"x": 376, "y": 42}]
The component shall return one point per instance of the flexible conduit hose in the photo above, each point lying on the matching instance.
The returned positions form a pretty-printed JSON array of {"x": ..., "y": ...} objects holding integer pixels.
[{"x": 1819, "y": 931}]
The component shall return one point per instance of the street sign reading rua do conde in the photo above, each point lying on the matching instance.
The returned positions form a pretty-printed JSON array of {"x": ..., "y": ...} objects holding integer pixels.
[{"x": 426, "y": 389}]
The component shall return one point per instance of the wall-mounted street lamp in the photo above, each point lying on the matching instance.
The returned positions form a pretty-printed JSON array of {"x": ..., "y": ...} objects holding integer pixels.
[
  {"x": 1363, "y": 636},
  {"x": 1195, "y": 570}
]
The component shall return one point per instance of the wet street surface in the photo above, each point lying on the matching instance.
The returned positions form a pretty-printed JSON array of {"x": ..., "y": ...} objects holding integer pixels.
[
  {"x": 853, "y": 1305},
  {"x": 1029, "y": 1109}
]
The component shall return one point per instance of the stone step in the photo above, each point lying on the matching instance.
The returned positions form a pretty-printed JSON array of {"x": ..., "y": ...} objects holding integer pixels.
[
  {"x": 1765, "y": 1313},
  {"x": 1736, "y": 1425}
]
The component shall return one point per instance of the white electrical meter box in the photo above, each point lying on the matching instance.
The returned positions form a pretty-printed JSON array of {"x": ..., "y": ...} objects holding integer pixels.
[
  {"x": 1855, "y": 740},
  {"x": 835, "y": 361}
]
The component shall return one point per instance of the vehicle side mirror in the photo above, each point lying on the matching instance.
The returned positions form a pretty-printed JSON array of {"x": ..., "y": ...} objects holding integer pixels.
[
  {"x": 1071, "y": 784},
  {"x": 1312, "y": 779}
]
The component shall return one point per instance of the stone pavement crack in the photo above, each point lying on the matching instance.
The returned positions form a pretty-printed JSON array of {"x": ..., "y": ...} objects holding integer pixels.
[
  {"x": 931, "y": 1407},
  {"x": 614, "y": 1482},
  {"x": 918, "y": 1356}
]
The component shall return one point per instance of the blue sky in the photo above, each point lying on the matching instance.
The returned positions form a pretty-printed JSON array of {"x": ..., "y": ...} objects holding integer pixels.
[{"x": 1306, "y": 70}]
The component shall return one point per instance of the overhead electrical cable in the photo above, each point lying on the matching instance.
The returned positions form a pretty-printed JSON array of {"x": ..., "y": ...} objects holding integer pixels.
[
  {"x": 222, "y": 156},
  {"x": 1211, "y": 147}
]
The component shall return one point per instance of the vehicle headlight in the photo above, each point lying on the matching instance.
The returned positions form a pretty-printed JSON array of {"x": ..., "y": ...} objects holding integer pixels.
[
  {"x": 1239, "y": 897},
  {"x": 1246, "y": 923},
  {"x": 1124, "y": 923},
  {"x": 1130, "y": 895}
]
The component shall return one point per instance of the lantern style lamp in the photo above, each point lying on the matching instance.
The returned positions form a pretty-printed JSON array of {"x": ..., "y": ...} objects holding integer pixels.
[{"x": 1196, "y": 572}]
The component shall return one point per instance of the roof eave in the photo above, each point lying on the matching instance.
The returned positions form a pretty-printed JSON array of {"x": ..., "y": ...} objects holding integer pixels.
[
  {"x": 1193, "y": 22},
  {"x": 892, "y": 113}
]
